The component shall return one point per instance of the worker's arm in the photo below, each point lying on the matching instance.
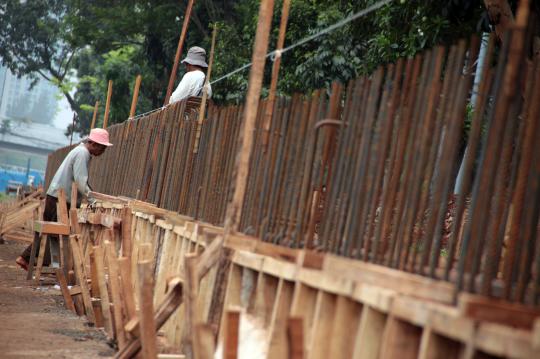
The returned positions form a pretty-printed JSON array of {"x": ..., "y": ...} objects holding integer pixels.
[
  {"x": 80, "y": 174},
  {"x": 183, "y": 90}
]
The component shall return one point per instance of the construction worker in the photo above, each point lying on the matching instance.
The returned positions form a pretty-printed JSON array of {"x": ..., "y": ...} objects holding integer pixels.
[
  {"x": 74, "y": 168},
  {"x": 193, "y": 81}
]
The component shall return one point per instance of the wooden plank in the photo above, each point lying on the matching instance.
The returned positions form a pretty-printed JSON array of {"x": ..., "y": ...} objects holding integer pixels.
[
  {"x": 39, "y": 266},
  {"x": 147, "y": 322},
  {"x": 303, "y": 306},
  {"x": 232, "y": 334},
  {"x": 323, "y": 325},
  {"x": 74, "y": 290},
  {"x": 330, "y": 282},
  {"x": 400, "y": 340},
  {"x": 115, "y": 293},
  {"x": 346, "y": 323},
  {"x": 498, "y": 311},
  {"x": 376, "y": 297},
  {"x": 232, "y": 294},
  {"x": 248, "y": 260},
  {"x": 204, "y": 341},
  {"x": 279, "y": 345},
  {"x": 74, "y": 195},
  {"x": 74, "y": 222},
  {"x": 265, "y": 296},
  {"x": 95, "y": 290},
  {"x": 295, "y": 332},
  {"x": 104, "y": 293},
  {"x": 209, "y": 257},
  {"x": 165, "y": 310},
  {"x": 504, "y": 341},
  {"x": 61, "y": 207},
  {"x": 124, "y": 266},
  {"x": 244, "y": 149},
  {"x": 370, "y": 334},
  {"x": 191, "y": 291},
  {"x": 280, "y": 269},
  {"x": 126, "y": 232},
  {"x": 60, "y": 277},
  {"x": 80, "y": 273},
  {"x": 434, "y": 346},
  {"x": 401, "y": 282},
  {"x": 51, "y": 228}
]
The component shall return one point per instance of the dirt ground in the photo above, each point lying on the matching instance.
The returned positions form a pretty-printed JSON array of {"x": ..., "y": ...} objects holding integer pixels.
[{"x": 33, "y": 321}]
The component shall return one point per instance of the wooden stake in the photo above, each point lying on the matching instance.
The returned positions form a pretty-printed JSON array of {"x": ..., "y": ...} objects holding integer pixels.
[
  {"x": 135, "y": 96},
  {"x": 80, "y": 272},
  {"x": 295, "y": 329},
  {"x": 74, "y": 195},
  {"x": 107, "y": 105},
  {"x": 65, "y": 291},
  {"x": 146, "y": 301},
  {"x": 124, "y": 266},
  {"x": 104, "y": 294},
  {"x": 205, "y": 92},
  {"x": 190, "y": 303},
  {"x": 115, "y": 293},
  {"x": 234, "y": 210},
  {"x": 172, "y": 77},
  {"x": 94, "y": 115},
  {"x": 230, "y": 347},
  {"x": 275, "y": 72},
  {"x": 96, "y": 290},
  {"x": 126, "y": 232},
  {"x": 167, "y": 307}
]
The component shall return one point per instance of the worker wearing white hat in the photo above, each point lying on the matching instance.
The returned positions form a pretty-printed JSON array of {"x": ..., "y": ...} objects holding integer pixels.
[
  {"x": 74, "y": 168},
  {"x": 193, "y": 81}
]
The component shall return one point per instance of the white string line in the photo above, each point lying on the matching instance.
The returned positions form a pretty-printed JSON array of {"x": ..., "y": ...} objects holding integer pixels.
[
  {"x": 325, "y": 31},
  {"x": 278, "y": 52}
]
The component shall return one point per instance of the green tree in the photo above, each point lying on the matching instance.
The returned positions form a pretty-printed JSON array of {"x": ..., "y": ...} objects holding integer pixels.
[{"x": 34, "y": 41}]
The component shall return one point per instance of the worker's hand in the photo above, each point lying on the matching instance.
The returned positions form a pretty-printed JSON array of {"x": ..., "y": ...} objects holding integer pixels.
[{"x": 92, "y": 203}]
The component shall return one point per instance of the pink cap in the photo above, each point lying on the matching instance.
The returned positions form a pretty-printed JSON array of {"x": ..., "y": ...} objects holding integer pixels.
[{"x": 99, "y": 135}]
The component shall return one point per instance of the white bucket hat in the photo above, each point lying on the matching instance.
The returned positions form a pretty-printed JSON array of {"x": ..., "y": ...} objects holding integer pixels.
[{"x": 196, "y": 56}]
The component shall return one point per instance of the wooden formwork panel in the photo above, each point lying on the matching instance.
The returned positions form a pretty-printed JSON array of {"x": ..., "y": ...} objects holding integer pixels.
[{"x": 348, "y": 309}]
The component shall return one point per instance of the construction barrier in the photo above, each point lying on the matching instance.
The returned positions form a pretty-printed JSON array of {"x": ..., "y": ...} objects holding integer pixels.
[
  {"x": 159, "y": 282},
  {"x": 370, "y": 171}
]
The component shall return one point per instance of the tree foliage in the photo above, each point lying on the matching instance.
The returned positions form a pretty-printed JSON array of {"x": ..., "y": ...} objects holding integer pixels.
[
  {"x": 34, "y": 41},
  {"x": 118, "y": 39}
]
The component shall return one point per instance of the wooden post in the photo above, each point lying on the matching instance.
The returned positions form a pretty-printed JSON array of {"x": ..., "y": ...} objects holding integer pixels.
[
  {"x": 232, "y": 328},
  {"x": 95, "y": 290},
  {"x": 94, "y": 115},
  {"x": 80, "y": 271},
  {"x": 124, "y": 265},
  {"x": 135, "y": 96},
  {"x": 107, "y": 105},
  {"x": 65, "y": 291},
  {"x": 126, "y": 232},
  {"x": 295, "y": 331},
  {"x": 190, "y": 303},
  {"x": 172, "y": 77},
  {"x": 115, "y": 293},
  {"x": 205, "y": 92},
  {"x": 104, "y": 294},
  {"x": 146, "y": 302},
  {"x": 275, "y": 72},
  {"x": 234, "y": 209}
]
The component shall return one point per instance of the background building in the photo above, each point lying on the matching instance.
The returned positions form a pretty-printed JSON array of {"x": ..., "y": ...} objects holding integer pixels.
[{"x": 27, "y": 134}]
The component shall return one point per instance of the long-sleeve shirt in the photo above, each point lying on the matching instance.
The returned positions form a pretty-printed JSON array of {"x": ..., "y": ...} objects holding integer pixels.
[
  {"x": 191, "y": 85},
  {"x": 73, "y": 168}
]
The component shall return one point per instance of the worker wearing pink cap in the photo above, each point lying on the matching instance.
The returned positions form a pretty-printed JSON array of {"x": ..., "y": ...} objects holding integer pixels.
[{"x": 74, "y": 168}]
